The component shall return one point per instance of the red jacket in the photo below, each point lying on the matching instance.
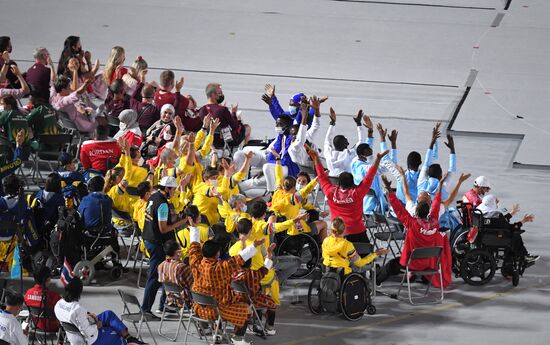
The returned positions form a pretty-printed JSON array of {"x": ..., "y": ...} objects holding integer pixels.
[
  {"x": 94, "y": 153},
  {"x": 33, "y": 298},
  {"x": 346, "y": 203},
  {"x": 424, "y": 233}
]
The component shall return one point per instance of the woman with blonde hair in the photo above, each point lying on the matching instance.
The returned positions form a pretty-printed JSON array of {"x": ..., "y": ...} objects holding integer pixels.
[{"x": 113, "y": 67}]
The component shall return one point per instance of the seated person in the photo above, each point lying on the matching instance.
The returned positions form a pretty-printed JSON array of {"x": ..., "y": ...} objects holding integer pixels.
[
  {"x": 173, "y": 270},
  {"x": 46, "y": 204},
  {"x": 67, "y": 169},
  {"x": 38, "y": 75},
  {"x": 12, "y": 210},
  {"x": 43, "y": 117},
  {"x": 481, "y": 187},
  {"x": 10, "y": 327},
  {"x": 104, "y": 328},
  {"x": 163, "y": 130},
  {"x": 180, "y": 104},
  {"x": 182, "y": 236},
  {"x": 212, "y": 277},
  {"x": 144, "y": 193},
  {"x": 117, "y": 100},
  {"x": 422, "y": 231},
  {"x": 489, "y": 208},
  {"x": 142, "y": 103},
  {"x": 94, "y": 153},
  {"x": 129, "y": 128},
  {"x": 340, "y": 253},
  {"x": 134, "y": 173},
  {"x": 12, "y": 120},
  {"x": 257, "y": 274},
  {"x": 39, "y": 296},
  {"x": 233, "y": 210}
]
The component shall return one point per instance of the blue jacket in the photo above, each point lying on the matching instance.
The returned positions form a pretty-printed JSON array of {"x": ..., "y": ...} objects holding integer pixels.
[
  {"x": 430, "y": 184},
  {"x": 293, "y": 168},
  {"x": 276, "y": 110},
  {"x": 96, "y": 209}
]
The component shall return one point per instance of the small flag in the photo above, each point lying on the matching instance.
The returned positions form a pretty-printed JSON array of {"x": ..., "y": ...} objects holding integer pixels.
[{"x": 66, "y": 273}]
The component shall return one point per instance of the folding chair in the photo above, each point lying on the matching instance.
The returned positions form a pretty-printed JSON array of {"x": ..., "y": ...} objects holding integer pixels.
[
  {"x": 388, "y": 231},
  {"x": 35, "y": 315},
  {"x": 136, "y": 236},
  {"x": 172, "y": 289},
  {"x": 69, "y": 328},
  {"x": 3, "y": 342},
  {"x": 206, "y": 301},
  {"x": 241, "y": 288},
  {"x": 69, "y": 127},
  {"x": 134, "y": 317},
  {"x": 423, "y": 253},
  {"x": 48, "y": 152},
  {"x": 364, "y": 249}
]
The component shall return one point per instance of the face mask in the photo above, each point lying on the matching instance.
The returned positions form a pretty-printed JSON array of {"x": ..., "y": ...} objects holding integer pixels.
[
  {"x": 279, "y": 130},
  {"x": 141, "y": 161},
  {"x": 293, "y": 110},
  {"x": 220, "y": 99},
  {"x": 243, "y": 208},
  {"x": 214, "y": 183},
  {"x": 299, "y": 186},
  {"x": 167, "y": 136}
]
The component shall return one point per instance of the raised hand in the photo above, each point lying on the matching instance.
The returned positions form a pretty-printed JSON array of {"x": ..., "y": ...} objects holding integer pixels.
[
  {"x": 259, "y": 242},
  {"x": 528, "y": 218},
  {"x": 443, "y": 178},
  {"x": 381, "y": 155},
  {"x": 269, "y": 90},
  {"x": 386, "y": 182},
  {"x": 315, "y": 103},
  {"x": 214, "y": 124},
  {"x": 323, "y": 99},
  {"x": 270, "y": 250},
  {"x": 450, "y": 143},
  {"x": 358, "y": 117},
  {"x": 266, "y": 99},
  {"x": 184, "y": 181},
  {"x": 515, "y": 209},
  {"x": 142, "y": 75},
  {"x": 392, "y": 137},
  {"x": 381, "y": 131},
  {"x": 435, "y": 134},
  {"x": 178, "y": 124},
  {"x": 234, "y": 108},
  {"x": 20, "y": 137},
  {"x": 381, "y": 251},
  {"x": 249, "y": 155},
  {"x": 314, "y": 155},
  {"x": 6, "y": 56},
  {"x": 206, "y": 121},
  {"x": 464, "y": 177},
  {"x": 179, "y": 84},
  {"x": 367, "y": 122},
  {"x": 87, "y": 55},
  {"x": 400, "y": 169},
  {"x": 332, "y": 115},
  {"x": 15, "y": 70}
]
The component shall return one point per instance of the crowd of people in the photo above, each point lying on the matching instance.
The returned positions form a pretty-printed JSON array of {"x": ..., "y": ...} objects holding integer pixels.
[{"x": 210, "y": 203}]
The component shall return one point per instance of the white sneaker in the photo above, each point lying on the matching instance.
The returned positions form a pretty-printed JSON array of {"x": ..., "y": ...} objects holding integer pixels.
[
  {"x": 240, "y": 342},
  {"x": 270, "y": 331}
]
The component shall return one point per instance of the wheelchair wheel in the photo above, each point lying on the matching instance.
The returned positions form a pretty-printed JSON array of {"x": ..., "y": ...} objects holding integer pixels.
[
  {"x": 515, "y": 278},
  {"x": 354, "y": 297},
  {"x": 371, "y": 309},
  {"x": 84, "y": 270},
  {"x": 115, "y": 273},
  {"x": 314, "y": 297},
  {"x": 306, "y": 248},
  {"x": 478, "y": 267},
  {"x": 459, "y": 246}
]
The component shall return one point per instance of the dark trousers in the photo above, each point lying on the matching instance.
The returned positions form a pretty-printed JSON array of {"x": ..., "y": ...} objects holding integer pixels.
[
  {"x": 361, "y": 238},
  {"x": 156, "y": 257}
]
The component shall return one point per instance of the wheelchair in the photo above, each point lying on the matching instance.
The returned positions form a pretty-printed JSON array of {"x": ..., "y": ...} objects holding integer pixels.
[
  {"x": 492, "y": 249},
  {"x": 303, "y": 246},
  {"x": 459, "y": 237},
  {"x": 334, "y": 292}
]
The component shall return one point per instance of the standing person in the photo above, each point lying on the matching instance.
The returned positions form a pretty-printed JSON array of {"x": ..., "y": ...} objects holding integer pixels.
[
  {"x": 10, "y": 328},
  {"x": 158, "y": 228},
  {"x": 38, "y": 75},
  {"x": 233, "y": 131},
  {"x": 113, "y": 68},
  {"x": 39, "y": 296},
  {"x": 11, "y": 80},
  {"x": 346, "y": 199},
  {"x": 141, "y": 101},
  {"x": 7, "y": 69},
  {"x": 164, "y": 95}
]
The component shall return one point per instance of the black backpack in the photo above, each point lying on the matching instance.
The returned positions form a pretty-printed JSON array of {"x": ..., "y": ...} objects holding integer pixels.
[
  {"x": 66, "y": 238},
  {"x": 330, "y": 290}
]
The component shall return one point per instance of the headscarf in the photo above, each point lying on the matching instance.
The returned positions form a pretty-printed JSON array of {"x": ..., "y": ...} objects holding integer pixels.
[
  {"x": 488, "y": 205},
  {"x": 128, "y": 123}
]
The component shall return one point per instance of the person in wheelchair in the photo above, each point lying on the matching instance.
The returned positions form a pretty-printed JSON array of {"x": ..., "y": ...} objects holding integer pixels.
[
  {"x": 258, "y": 275},
  {"x": 340, "y": 253},
  {"x": 490, "y": 210}
]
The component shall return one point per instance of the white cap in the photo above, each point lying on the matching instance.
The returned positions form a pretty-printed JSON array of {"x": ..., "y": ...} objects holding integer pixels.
[
  {"x": 168, "y": 181},
  {"x": 482, "y": 181}
]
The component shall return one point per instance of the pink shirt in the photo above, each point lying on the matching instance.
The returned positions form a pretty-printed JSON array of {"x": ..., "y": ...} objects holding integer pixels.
[{"x": 67, "y": 104}]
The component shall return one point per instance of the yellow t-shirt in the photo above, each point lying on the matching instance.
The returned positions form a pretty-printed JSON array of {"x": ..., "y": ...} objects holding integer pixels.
[
  {"x": 184, "y": 237},
  {"x": 339, "y": 252}
]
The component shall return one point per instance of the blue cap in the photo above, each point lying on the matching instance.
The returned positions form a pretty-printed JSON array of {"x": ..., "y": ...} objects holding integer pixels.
[{"x": 297, "y": 97}]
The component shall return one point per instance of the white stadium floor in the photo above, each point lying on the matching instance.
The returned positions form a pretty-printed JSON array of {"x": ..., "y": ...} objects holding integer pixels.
[{"x": 404, "y": 62}]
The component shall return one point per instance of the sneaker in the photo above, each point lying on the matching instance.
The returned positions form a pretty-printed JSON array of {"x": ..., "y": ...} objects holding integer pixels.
[
  {"x": 134, "y": 341},
  {"x": 270, "y": 331},
  {"x": 531, "y": 258},
  {"x": 150, "y": 316},
  {"x": 241, "y": 341}
]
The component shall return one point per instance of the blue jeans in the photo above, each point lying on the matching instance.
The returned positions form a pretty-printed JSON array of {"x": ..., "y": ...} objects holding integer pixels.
[
  {"x": 152, "y": 285},
  {"x": 109, "y": 334}
]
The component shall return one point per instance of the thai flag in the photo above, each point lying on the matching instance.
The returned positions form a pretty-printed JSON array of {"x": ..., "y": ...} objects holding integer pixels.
[{"x": 66, "y": 273}]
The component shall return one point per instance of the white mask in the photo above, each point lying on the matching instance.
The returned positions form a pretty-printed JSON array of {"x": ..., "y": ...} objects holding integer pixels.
[
  {"x": 141, "y": 161},
  {"x": 293, "y": 110},
  {"x": 243, "y": 208},
  {"x": 214, "y": 183},
  {"x": 2, "y": 107},
  {"x": 300, "y": 186},
  {"x": 167, "y": 136},
  {"x": 279, "y": 130}
]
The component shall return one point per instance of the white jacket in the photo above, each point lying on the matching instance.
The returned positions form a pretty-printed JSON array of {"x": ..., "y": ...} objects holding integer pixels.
[
  {"x": 77, "y": 315},
  {"x": 10, "y": 329}
]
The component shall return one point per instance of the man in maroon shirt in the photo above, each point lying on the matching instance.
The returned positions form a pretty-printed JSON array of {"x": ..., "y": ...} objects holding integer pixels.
[
  {"x": 181, "y": 103},
  {"x": 117, "y": 100},
  {"x": 142, "y": 103},
  {"x": 95, "y": 153},
  {"x": 232, "y": 130},
  {"x": 38, "y": 75},
  {"x": 40, "y": 297}
]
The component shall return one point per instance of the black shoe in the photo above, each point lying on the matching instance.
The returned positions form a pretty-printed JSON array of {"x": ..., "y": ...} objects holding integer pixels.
[
  {"x": 149, "y": 316},
  {"x": 134, "y": 341},
  {"x": 531, "y": 258}
]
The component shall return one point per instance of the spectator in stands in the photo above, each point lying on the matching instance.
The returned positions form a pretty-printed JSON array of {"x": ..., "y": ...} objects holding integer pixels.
[
  {"x": 39, "y": 296},
  {"x": 73, "y": 48},
  {"x": 164, "y": 129},
  {"x": 164, "y": 95},
  {"x": 117, "y": 100},
  {"x": 43, "y": 117},
  {"x": 337, "y": 154},
  {"x": 10, "y": 328},
  {"x": 38, "y": 75},
  {"x": 104, "y": 328},
  {"x": 47, "y": 202},
  {"x": 346, "y": 199},
  {"x": 294, "y": 109},
  {"x": 129, "y": 128},
  {"x": 481, "y": 187},
  {"x": 173, "y": 270},
  {"x": 67, "y": 169},
  {"x": 8, "y": 69},
  {"x": 95, "y": 153},
  {"x": 11, "y": 81},
  {"x": 142, "y": 103},
  {"x": 133, "y": 77},
  {"x": 11, "y": 166},
  {"x": 304, "y": 136},
  {"x": 144, "y": 192},
  {"x": 113, "y": 68},
  {"x": 158, "y": 228},
  {"x": 233, "y": 131},
  {"x": 13, "y": 121}
]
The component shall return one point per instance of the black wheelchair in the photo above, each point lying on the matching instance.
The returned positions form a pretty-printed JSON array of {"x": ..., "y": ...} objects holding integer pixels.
[
  {"x": 459, "y": 237},
  {"x": 334, "y": 292},
  {"x": 303, "y": 246},
  {"x": 494, "y": 247}
]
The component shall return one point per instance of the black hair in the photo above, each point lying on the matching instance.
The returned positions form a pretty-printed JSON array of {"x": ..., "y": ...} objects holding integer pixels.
[
  {"x": 14, "y": 299},
  {"x": 143, "y": 188},
  {"x": 345, "y": 180},
  {"x": 117, "y": 86},
  {"x": 192, "y": 211},
  {"x": 435, "y": 171},
  {"x": 61, "y": 83},
  {"x": 414, "y": 159},
  {"x": 12, "y": 185},
  {"x": 258, "y": 209},
  {"x": 247, "y": 263},
  {"x": 4, "y": 43},
  {"x": 96, "y": 184},
  {"x": 210, "y": 248},
  {"x": 37, "y": 96},
  {"x": 73, "y": 290},
  {"x": 340, "y": 142},
  {"x": 210, "y": 172},
  {"x": 363, "y": 150},
  {"x": 221, "y": 236},
  {"x": 53, "y": 183},
  {"x": 67, "y": 53},
  {"x": 170, "y": 247},
  {"x": 134, "y": 150},
  {"x": 304, "y": 174},
  {"x": 285, "y": 120},
  {"x": 41, "y": 275},
  {"x": 11, "y": 101},
  {"x": 423, "y": 210},
  {"x": 244, "y": 226},
  {"x": 102, "y": 131}
]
